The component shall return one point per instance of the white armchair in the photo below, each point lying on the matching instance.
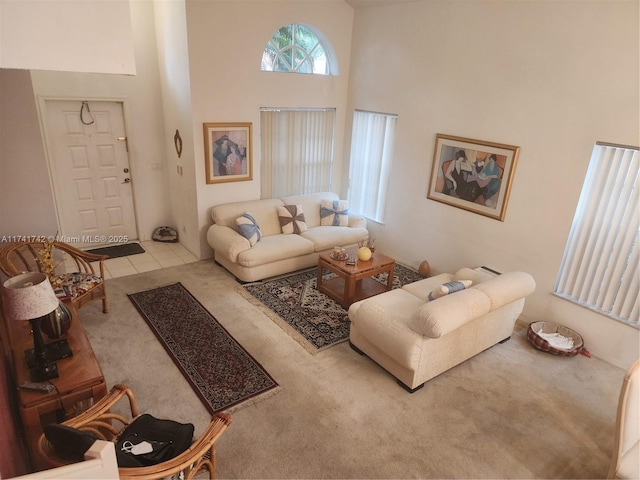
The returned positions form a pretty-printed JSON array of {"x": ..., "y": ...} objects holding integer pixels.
[{"x": 626, "y": 451}]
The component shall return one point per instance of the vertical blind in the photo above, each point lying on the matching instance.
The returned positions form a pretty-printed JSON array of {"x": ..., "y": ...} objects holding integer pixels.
[
  {"x": 297, "y": 151},
  {"x": 372, "y": 144},
  {"x": 599, "y": 269}
]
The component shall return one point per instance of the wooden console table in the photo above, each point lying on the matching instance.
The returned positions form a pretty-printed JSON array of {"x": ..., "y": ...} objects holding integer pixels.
[
  {"x": 354, "y": 282},
  {"x": 80, "y": 382}
]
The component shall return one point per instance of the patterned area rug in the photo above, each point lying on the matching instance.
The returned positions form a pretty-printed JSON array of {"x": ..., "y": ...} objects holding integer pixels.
[
  {"x": 312, "y": 318},
  {"x": 219, "y": 369}
]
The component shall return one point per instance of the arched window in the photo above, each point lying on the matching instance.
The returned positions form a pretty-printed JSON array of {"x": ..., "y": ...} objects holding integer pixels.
[{"x": 299, "y": 49}]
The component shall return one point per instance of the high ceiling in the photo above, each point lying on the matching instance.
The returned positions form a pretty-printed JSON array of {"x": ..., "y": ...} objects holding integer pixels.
[{"x": 373, "y": 3}]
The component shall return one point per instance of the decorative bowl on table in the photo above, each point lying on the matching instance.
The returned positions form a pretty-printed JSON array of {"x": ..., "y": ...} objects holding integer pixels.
[{"x": 339, "y": 253}]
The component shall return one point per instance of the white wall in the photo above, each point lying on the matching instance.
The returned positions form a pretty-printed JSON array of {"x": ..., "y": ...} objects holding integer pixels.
[
  {"x": 226, "y": 41},
  {"x": 189, "y": 73},
  {"x": 143, "y": 117},
  {"x": 70, "y": 35},
  {"x": 26, "y": 199},
  {"x": 550, "y": 77},
  {"x": 173, "y": 60}
]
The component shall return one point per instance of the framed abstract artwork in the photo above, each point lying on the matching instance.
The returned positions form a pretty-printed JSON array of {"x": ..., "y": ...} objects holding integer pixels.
[
  {"x": 474, "y": 175},
  {"x": 227, "y": 152}
]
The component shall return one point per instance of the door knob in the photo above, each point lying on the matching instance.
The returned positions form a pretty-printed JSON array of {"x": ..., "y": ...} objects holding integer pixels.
[
  {"x": 126, "y": 170},
  {"x": 127, "y": 180}
]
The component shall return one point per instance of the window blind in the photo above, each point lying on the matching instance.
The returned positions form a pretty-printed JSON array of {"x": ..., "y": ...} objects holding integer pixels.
[
  {"x": 372, "y": 145},
  {"x": 297, "y": 151},
  {"x": 599, "y": 269}
]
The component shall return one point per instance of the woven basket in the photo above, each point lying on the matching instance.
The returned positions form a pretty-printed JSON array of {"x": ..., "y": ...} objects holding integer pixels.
[{"x": 550, "y": 327}]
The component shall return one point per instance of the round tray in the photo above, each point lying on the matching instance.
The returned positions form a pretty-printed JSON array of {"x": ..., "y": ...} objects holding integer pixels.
[
  {"x": 551, "y": 327},
  {"x": 346, "y": 257}
]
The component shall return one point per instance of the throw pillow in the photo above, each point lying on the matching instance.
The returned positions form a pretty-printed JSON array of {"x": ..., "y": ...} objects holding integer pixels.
[
  {"x": 248, "y": 228},
  {"x": 292, "y": 219},
  {"x": 447, "y": 288},
  {"x": 334, "y": 213}
]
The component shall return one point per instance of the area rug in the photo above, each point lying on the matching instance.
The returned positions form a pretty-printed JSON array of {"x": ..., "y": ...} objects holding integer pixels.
[
  {"x": 219, "y": 369},
  {"x": 312, "y": 318},
  {"x": 116, "y": 251}
]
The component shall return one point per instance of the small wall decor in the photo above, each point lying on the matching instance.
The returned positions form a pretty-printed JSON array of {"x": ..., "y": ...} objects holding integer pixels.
[
  {"x": 473, "y": 174},
  {"x": 227, "y": 152},
  {"x": 177, "y": 141}
]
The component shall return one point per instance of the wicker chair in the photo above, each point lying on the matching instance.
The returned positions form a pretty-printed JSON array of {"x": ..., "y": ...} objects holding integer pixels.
[
  {"x": 198, "y": 458},
  {"x": 76, "y": 281}
]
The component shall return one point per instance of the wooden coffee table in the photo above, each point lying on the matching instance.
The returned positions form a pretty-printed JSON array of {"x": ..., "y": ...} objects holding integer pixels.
[{"x": 354, "y": 282}]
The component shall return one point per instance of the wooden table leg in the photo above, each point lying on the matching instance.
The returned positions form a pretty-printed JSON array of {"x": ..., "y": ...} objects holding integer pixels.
[
  {"x": 390, "y": 279},
  {"x": 349, "y": 291},
  {"x": 99, "y": 391}
]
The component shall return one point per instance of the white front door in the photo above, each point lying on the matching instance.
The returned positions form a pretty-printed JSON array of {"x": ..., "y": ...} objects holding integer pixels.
[{"x": 87, "y": 146}]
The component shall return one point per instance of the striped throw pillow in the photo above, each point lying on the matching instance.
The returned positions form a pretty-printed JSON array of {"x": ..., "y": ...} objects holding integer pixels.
[
  {"x": 447, "y": 288},
  {"x": 248, "y": 228}
]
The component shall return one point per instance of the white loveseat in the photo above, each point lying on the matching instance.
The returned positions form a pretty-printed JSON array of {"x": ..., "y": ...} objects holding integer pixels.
[
  {"x": 415, "y": 339},
  {"x": 277, "y": 253}
]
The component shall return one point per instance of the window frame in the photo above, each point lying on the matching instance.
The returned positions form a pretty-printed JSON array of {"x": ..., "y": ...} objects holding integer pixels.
[
  {"x": 599, "y": 268},
  {"x": 323, "y": 43}
]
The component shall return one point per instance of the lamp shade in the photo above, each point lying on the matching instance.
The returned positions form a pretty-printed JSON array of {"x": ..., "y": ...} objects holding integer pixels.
[{"x": 28, "y": 296}]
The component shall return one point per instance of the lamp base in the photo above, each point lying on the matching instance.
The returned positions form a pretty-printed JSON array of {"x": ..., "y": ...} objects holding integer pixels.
[
  {"x": 43, "y": 372},
  {"x": 54, "y": 351}
]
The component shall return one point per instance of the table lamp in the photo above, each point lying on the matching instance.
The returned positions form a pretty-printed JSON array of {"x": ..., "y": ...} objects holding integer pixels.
[{"x": 30, "y": 296}]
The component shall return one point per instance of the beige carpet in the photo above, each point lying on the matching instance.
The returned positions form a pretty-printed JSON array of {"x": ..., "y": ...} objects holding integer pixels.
[{"x": 510, "y": 412}]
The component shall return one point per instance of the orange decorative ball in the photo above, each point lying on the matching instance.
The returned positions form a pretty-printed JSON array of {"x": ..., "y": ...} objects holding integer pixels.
[
  {"x": 364, "y": 254},
  {"x": 424, "y": 269}
]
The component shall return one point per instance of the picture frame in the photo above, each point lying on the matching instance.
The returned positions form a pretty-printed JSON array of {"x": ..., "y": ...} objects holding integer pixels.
[
  {"x": 228, "y": 152},
  {"x": 473, "y": 175}
]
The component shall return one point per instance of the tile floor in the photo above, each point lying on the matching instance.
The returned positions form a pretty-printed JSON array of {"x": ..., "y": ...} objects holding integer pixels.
[{"x": 157, "y": 255}]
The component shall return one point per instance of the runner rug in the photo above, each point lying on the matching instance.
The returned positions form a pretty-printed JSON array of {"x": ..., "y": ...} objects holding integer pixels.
[
  {"x": 312, "y": 318},
  {"x": 219, "y": 369}
]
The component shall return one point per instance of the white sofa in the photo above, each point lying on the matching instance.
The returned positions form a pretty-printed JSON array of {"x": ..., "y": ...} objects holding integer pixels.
[
  {"x": 277, "y": 253},
  {"x": 415, "y": 339}
]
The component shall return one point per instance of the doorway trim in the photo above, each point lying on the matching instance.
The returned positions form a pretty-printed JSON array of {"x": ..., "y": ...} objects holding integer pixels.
[{"x": 42, "y": 118}]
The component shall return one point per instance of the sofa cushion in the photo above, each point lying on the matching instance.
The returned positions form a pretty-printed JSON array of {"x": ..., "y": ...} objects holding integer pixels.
[
  {"x": 507, "y": 288},
  {"x": 274, "y": 248},
  {"x": 292, "y": 219},
  {"x": 475, "y": 276},
  {"x": 435, "y": 319},
  {"x": 382, "y": 320},
  {"x": 248, "y": 228},
  {"x": 310, "y": 203},
  {"x": 264, "y": 211},
  {"x": 629, "y": 462},
  {"x": 324, "y": 238},
  {"x": 76, "y": 283},
  {"x": 447, "y": 288},
  {"x": 334, "y": 213},
  {"x": 422, "y": 288}
]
